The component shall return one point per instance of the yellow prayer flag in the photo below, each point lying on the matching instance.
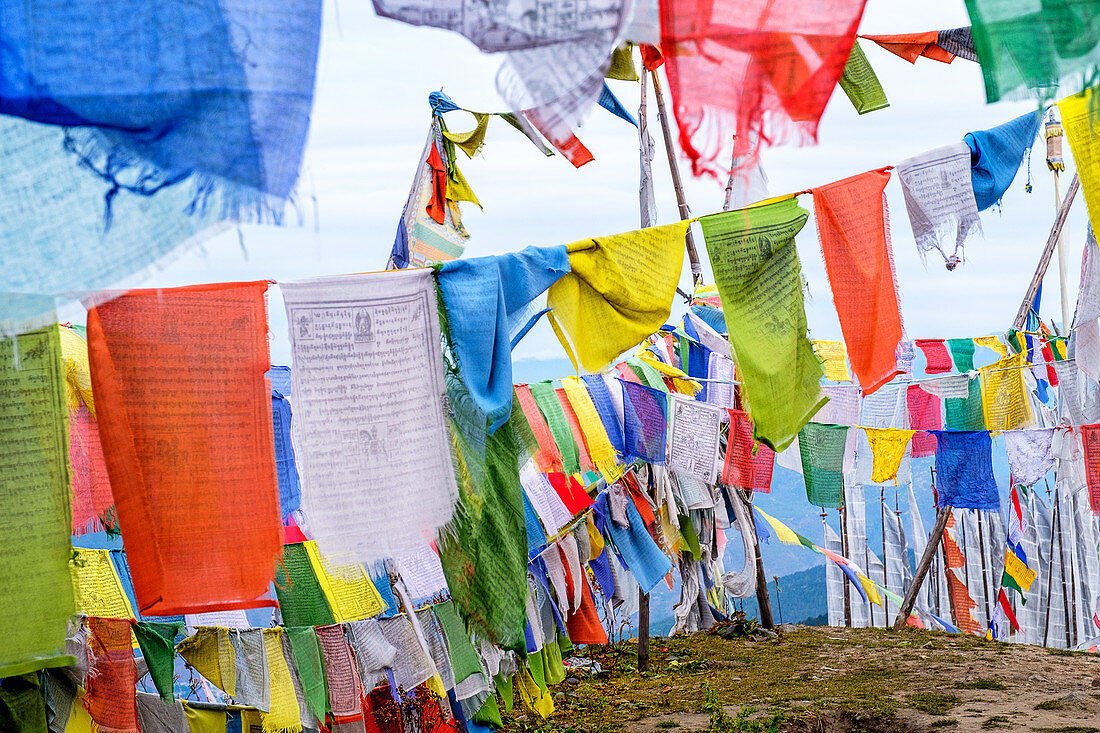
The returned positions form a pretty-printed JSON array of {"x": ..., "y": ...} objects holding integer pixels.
[
  {"x": 1022, "y": 574},
  {"x": 202, "y": 720},
  {"x": 284, "y": 713},
  {"x": 834, "y": 357},
  {"x": 1005, "y": 402},
  {"x": 211, "y": 653},
  {"x": 348, "y": 589},
  {"x": 78, "y": 373},
  {"x": 683, "y": 383},
  {"x": 888, "y": 449},
  {"x": 1083, "y": 134},
  {"x": 785, "y": 534},
  {"x": 471, "y": 141},
  {"x": 96, "y": 586},
  {"x": 870, "y": 588},
  {"x": 992, "y": 342},
  {"x": 79, "y": 719},
  {"x": 595, "y": 538},
  {"x": 599, "y": 445},
  {"x": 619, "y": 292}
]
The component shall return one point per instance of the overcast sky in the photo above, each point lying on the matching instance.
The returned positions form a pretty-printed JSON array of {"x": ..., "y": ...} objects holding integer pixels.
[{"x": 371, "y": 117}]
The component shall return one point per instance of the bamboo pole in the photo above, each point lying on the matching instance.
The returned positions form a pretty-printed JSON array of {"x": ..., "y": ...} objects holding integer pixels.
[
  {"x": 1048, "y": 251},
  {"x": 677, "y": 184},
  {"x": 930, "y": 550}
]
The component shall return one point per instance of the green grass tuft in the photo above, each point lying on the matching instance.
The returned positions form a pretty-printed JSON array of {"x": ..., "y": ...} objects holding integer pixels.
[{"x": 933, "y": 703}]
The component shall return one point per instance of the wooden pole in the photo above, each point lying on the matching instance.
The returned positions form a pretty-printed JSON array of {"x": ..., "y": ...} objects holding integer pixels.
[
  {"x": 1062, "y": 290},
  {"x": 844, "y": 551},
  {"x": 922, "y": 568},
  {"x": 1050, "y": 569},
  {"x": 885, "y": 562},
  {"x": 681, "y": 202},
  {"x": 1048, "y": 252},
  {"x": 643, "y": 631},
  {"x": 763, "y": 601}
]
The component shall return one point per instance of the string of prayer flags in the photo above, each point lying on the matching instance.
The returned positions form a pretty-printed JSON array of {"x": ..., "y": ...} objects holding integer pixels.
[
  {"x": 937, "y": 360},
  {"x": 888, "y": 448},
  {"x": 744, "y": 72},
  {"x": 483, "y": 296},
  {"x": 547, "y": 456},
  {"x": 190, "y": 454},
  {"x": 964, "y": 470},
  {"x": 759, "y": 277},
  {"x": 834, "y": 360},
  {"x": 645, "y": 423},
  {"x": 939, "y": 198},
  {"x": 369, "y": 384},
  {"x": 861, "y": 84},
  {"x": 619, "y": 291},
  {"x": 997, "y": 153},
  {"x": 911, "y": 46},
  {"x": 1005, "y": 397},
  {"x": 158, "y": 648},
  {"x": 36, "y": 598},
  {"x": 924, "y": 416},
  {"x": 1034, "y": 46},
  {"x": 855, "y": 241},
  {"x": 112, "y": 680},
  {"x": 1090, "y": 441},
  {"x": 822, "y": 450},
  {"x": 1079, "y": 120}
]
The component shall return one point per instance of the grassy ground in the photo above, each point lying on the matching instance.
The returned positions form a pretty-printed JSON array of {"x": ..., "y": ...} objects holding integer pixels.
[{"x": 828, "y": 679}]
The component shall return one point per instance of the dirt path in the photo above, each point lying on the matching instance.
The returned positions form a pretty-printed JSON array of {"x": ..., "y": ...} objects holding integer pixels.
[{"x": 828, "y": 679}]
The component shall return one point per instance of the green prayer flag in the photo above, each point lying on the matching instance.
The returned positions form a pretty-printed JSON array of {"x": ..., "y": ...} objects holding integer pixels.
[
  {"x": 546, "y": 397},
  {"x": 650, "y": 377},
  {"x": 484, "y": 550},
  {"x": 503, "y": 683},
  {"x": 463, "y": 655},
  {"x": 306, "y": 651},
  {"x": 1036, "y": 46},
  {"x": 553, "y": 669},
  {"x": 157, "y": 641},
  {"x": 36, "y": 592},
  {"x": 965, "y": 413},
  {"x": 301, "y": 600},
  {"x": 22, "y": 705},
  {"x": 489, "y": 712},
  {"x": 962, "y": 353},
  {"x": 691, "y": 539},
  {"x": 622, "y": 63},
  {"x": 861, "y": 84},
  {"x": 1007, "y": 581},
  {"x": 822, "y": 450},
  {"x": 759, "y": 279}
]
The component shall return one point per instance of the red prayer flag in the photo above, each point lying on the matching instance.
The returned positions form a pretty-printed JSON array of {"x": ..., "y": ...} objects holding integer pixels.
[
  {"x": 90, "y": 485},
  {"x": 936, "y": 355},
  {"x": 570, "y": 491},
  {"x": 558, "y": 133},
  {"x": 1090, "y": 440},
  {"x": 855, "y": 240},
  {"x": 437, "y": 206},
  {"x": 1002, "y": 601},
  {"x": 911, "y": 46},
  {"x": 548, "y": 457},
  {"x": 924, "y": 415},
  {"x": 962, "y": 604},
  {"x": 651, "y": 57},
  {"x": 762, "y": 70},
  {"x": 741, "y": 468},
  {"x": 111, "y": 698},
  {"x": 584, "y": 625},
  {"x": 184, "y": 410}
]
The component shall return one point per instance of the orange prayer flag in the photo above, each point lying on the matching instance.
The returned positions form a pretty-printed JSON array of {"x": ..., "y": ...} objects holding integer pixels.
[
  {"x": 911, "y": 46},
  {"x": 184, "y": 412},
  {"x": 855, "y": 241}
]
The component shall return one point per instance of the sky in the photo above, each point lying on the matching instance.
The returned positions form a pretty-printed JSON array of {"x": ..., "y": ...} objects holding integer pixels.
[{"x": 371, "y": 117}]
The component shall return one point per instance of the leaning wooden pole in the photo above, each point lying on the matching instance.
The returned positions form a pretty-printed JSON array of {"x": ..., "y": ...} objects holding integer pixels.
[
  {"x": 763, "y": 600},
  {"x": 643, "y": 631},
  {"x": 942, "y": 516},
  {"x": 1048, "y": 252},
  {"x": 677, "y": 184}
]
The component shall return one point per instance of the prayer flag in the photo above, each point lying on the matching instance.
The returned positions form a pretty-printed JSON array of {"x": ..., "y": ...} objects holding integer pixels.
[
  {"x": 966, "y": 413},
  {"x": 546, "y": 397},
  {"x": 861, "y": 84},
  {"x": 822, "y": 451},
  {"x": 592, "y": 428},
  {"x": 936, "y": 357},
  {"x": 855, "y": 241},
  {"x": 349, "y": 591},
  {"x": 997, "y": 154},
  {"x": 911, "y": 46},
  {"x": 745, "y": 71},
  {"x": 190, "y": 450},
  {"x": 924, "y": 415},
  {"x": 375, "y": 454},
  {"x": 748, "y": 464},
  {"x": 36, "y": 591},
  {"x": 645, "y": 413},
  {"x": 1090, "y": 441},
  {"x": 1034, "y": 46},
  {"x": 302, "y": 600},
  {"x": 962, "y": 353},
  {"x": 1021, "y": 574},
  {"x": 290, "y": 487},
  {"x": 888, "y": 447},
  {"x": 111, "y": 699},
  {"x": 964, "y": 471},
  {"x": 939, "y": 197},
  {"x": 309, "y": 664},
  {"x": 1005, "y": 397},
  {"x": 547, "y": 456},
  {"x": 158, "y": 648},
  {"x": 834, "y": 360},
  {"x": 96, "y": 585},
  {"x": 619, "y": 291},
  {"x": 785, "y": 534},
  {"x": 483, "y": 297},
  {"x": 759, "y": 277},
  {"x": 1079, "y": 118}
]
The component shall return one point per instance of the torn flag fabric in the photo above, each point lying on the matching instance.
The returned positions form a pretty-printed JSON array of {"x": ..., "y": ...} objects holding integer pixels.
[
  {"x": 855, "y": 240},
  {"x": 941, "y": 46},
  {"x": 743, "y": 72},
  {"x": 939, "y": 197},
  {"x": 759, "y": 278},
  {"x": 190, "y": 452}
]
